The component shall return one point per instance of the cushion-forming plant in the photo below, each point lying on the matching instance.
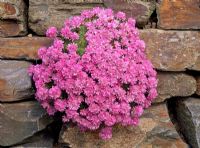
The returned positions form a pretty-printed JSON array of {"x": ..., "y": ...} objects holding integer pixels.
[{"x": 95, "y": 72}]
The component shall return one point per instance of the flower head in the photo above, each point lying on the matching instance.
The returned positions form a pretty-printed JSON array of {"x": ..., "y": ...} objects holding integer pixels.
[{"x": 51, "y": 32}]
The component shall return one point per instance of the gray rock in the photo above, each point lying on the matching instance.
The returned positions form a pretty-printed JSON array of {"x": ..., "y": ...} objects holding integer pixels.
[
  {"x": 174, "y": 84},
  {"x": 15, "y": 83},
  {"x": 188, "y": 119},
  {"x": 141, "y": 10},
  {"x": 46, "y": 13},
  {"x": 19, "y": 121},
  {"x": 40, "y": 140}
]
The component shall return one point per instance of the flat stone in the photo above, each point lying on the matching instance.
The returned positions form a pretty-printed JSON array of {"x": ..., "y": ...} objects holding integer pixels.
[
  {"x": 19, "y": 121},
  {"x": 188, "y": 119},
  {"x": 198, "y": 86},
  {"x": 15, "y": 83},
  {"x": 141, "y": 10},
  {"x": 39, "y": 140},
  {"x": 22, "y": 48},
  {"x": 155, "y": 129},
  {"x": 13, "y": 18},
  {"x": 172, "y": 50},
  {"x": 43, "y": 14},
  {"x": 174, "y": 84},
  {"x": 178, "y": 14},
  {"x": 11, "y": 28}
]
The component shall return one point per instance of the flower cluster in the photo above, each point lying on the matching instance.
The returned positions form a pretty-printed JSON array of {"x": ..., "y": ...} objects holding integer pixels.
[{"x": 95, "y": 72}]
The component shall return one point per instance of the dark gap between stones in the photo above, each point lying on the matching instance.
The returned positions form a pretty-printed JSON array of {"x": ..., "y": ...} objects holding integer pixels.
[
  {"x": 18, "y": 101},
  {"x": 192, "y": 73},
  {"x": 39, "y": 61},
  {"x": 153, "y": 20}
]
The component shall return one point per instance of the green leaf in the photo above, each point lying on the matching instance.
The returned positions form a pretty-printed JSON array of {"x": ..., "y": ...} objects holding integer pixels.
[{"x": 81, "y": 42}]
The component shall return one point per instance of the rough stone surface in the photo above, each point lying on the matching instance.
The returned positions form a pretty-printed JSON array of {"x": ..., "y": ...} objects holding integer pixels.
[
  {"x": 22, "y": 48},
  {"x": 43, "y": 14},
  {"x": 172, "y": 50},
  {"x": 15, "y": 84},
  {"x": 188, "y": 117},
  {"x": 141, "y": 10},
  {"x": 40, "y": 140},
  {"x": 19, "y": 121},
  {"x": 155, "y": 130},
  {"x": 179, "y": 14},
  {"x": 13, "y": 21},
  {"x": 198, "y": 86},
  {"x": 174, "y": 84}
]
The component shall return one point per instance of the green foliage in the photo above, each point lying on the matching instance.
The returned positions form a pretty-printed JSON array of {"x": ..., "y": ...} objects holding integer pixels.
[{"x": 81, "y": 42}]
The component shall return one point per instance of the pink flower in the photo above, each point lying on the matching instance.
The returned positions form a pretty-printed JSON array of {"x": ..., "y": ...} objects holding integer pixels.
[
  {"x": 58, "y": 44},
  {"x": 49, "y": 108},
  {"x": 60, "y": 105},
  {"x": 94, "y": 108},
  {"x": 42, "y": 52},
  {"x": 106, "y": 133},
  {"x": 51, "y": 32},
  {"x": 121, "y": 15},
  {"x": 110, "y": 121},
  {"x": 138, "y": 111},
  {"x": 54, "y": 92},
  {"x": 72, "y": 48}
]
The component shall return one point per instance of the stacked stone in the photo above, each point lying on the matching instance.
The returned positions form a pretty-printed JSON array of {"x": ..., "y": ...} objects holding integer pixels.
[
  {"x": 22, "y": 120},
  {"x": 172, "y": 44}
]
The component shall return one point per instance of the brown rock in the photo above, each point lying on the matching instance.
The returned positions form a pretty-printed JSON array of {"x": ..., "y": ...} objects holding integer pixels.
[
  {"x": 13, "y": 18},
  {"x": 141, "y": 10},
  {"x": 174, "y": 84},
  {"x": 172, "y": 50},
  {"x": 179, "y": 14},
  {"x": 11, "y": 28},
  {"x": 19, "y": 121},
  {"x": 43, "y": 14},
  {"x": 22, "y": 48},
  {"x": 188, "y": 119},
  {"x": 155, "y": 129},
  {"x": 198, "y": 86},
  {"x": 15, "y": 84}
]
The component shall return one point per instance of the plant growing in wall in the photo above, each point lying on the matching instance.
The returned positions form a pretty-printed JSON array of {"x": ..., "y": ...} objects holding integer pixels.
[{"x": 96, "y": 72}]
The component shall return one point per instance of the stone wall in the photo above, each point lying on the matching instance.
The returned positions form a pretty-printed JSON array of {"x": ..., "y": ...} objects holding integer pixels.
[{"x": 171, "y": 32}]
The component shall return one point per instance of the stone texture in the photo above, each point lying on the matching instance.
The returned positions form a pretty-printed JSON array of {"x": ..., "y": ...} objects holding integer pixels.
[
  {"x": 198, "y": 86},
  {"x": 40, "y": 140},
  {"x": 188, "y": 117},
  {"x": 155, "y": 130},
  {"x": 15, "y": 84},
  {"x": 174, "y": 84},
  {"x": 179, "y": 14},
  {"x": 22, "y": 48},
  {"x": 141, "y": 10},
  {"x": 172, "y": 50},
  {"x": 43, "y": 14},
  {"x": 13, "y": 18},
  {"x": 19, "y": 121}
]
